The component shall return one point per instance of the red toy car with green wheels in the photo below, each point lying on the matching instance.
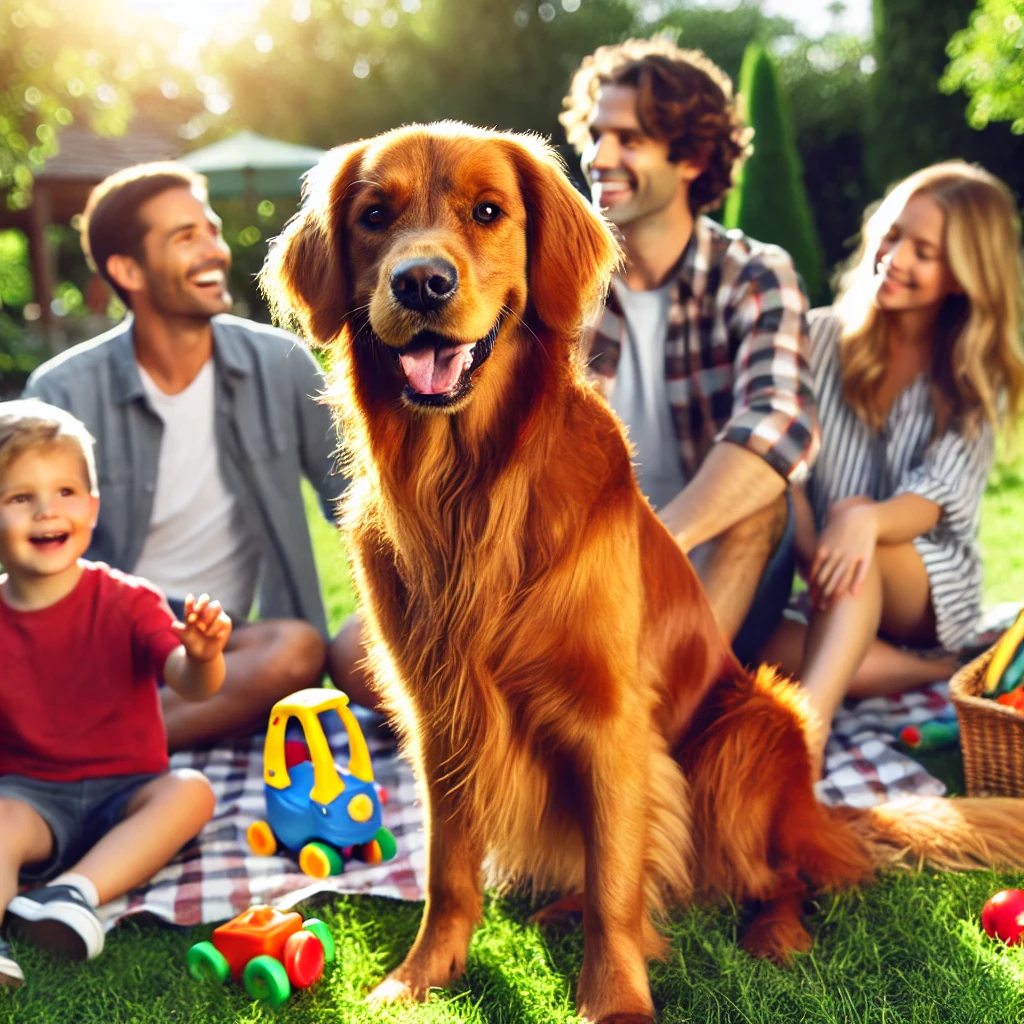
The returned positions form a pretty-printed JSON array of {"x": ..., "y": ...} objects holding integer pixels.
[{"x": 270, "y": 951}]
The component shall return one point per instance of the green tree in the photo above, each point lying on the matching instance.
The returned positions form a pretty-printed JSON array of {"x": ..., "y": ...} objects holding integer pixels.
[
  {"x": 987, "y": 62},
  {"x": 912, "y": 123},
  {"x": 769, "y": 201}
]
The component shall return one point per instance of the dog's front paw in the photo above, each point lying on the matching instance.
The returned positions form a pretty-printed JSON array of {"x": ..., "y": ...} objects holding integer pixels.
[
  {"x": 413, "y": 980},
  {"x": 394, "y": 990}
]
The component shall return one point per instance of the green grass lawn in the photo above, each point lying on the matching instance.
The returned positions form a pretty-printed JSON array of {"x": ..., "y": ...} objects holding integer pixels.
[{"x": 909, "y": 949}]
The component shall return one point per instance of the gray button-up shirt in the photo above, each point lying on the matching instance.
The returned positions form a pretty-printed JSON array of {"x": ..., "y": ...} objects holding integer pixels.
[{"x": 271, "y": 430}]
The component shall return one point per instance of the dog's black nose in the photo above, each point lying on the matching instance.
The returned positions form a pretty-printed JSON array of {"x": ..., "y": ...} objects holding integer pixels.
[{"x": 424, "y": 284}]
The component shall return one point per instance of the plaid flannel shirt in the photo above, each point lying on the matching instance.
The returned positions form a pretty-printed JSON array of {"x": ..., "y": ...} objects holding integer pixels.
[{"x": 735, "y": 354}]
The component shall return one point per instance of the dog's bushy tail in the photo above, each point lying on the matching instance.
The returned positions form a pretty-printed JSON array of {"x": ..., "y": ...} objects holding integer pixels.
[{"x": 950, "y": 835}]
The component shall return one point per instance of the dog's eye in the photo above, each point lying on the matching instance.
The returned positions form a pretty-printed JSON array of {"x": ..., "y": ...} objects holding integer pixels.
[
  {"x": 485, "y": 213},
  {"x": 374, "y": 217}
]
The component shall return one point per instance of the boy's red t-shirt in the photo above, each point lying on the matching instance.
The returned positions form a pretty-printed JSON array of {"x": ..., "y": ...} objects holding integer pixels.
[{"x": 78, "y": 694}]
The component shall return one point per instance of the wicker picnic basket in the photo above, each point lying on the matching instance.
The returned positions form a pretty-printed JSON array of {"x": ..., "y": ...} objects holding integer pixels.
[{"x": 991, "y": 735}]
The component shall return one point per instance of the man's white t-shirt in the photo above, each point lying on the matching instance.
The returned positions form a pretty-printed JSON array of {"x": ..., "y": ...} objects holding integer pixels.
[
  {"x": 197, "y": 540},
  {"x": 640, "y": 395}
]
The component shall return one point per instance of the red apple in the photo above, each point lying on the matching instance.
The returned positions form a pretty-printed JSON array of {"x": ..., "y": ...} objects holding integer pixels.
[{"x": 1003, "y": 916}]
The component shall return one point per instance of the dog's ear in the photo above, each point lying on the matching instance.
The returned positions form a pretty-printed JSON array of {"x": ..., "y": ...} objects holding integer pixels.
[
  {"x": 304, "y": 278},
  {"x": 571, "y": 250}
]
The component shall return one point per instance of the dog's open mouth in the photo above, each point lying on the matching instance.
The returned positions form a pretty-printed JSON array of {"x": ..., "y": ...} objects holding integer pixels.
[{"x": 439, "y": 371}]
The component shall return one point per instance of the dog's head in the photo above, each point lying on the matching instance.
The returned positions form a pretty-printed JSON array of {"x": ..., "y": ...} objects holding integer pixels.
[{"x": 435, "y": 242}]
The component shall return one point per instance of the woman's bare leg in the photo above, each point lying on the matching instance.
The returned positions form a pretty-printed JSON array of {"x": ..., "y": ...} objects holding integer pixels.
[
  {"x": 885, "y": 668},
  {"x": 841, "y": 652},
  {"x": 837, "y": 641}
]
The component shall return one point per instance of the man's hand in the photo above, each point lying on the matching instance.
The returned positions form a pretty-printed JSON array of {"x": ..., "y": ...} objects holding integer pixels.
[
  {"x": 206, "y": 628},
  {"x": 845, "y": 550}
]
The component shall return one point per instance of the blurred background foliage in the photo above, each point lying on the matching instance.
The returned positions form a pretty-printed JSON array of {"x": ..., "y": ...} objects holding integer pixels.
[
  {"x": 988, "y": 63},
  {"x": 94, "y": 62},
  {"x": 861, "y": 112}
]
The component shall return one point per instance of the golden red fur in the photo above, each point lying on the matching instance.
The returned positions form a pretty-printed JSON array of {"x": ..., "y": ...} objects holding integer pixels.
[{"x": 567, "y": 697}]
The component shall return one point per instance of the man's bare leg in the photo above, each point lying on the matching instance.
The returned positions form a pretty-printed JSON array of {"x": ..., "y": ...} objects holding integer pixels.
[
  {"x": 730, "y": 566},
  {"x": 265, "y": 662},
  {"x": 346, "y": 663}
]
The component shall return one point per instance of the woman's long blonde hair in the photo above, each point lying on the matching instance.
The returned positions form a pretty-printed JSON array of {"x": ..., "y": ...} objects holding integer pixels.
[{"x": 977, "y": 364}]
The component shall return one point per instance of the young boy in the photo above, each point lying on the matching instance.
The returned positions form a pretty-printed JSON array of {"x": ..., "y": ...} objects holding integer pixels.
[{"x": 85, "y": 791}]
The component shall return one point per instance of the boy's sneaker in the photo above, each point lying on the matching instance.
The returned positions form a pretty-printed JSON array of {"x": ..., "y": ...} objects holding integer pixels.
[
  {"x": 10, "y": 972},
  {"x": 58, "y": 918}
]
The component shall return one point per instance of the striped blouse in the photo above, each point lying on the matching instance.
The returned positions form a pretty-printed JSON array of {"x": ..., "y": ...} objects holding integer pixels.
[{"x": 905, "y": 458}]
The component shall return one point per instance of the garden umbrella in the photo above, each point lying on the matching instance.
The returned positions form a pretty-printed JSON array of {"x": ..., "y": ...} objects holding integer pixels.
[{"x": 250, "y": 166}]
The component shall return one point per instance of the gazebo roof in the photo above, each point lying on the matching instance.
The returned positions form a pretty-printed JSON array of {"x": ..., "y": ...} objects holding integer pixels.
[
  {"x": 86, "y": 156},
  {"x": 247, "y": 164},
  {"x": 247, "y": 150},
  {"x": 84, "y": 160}
]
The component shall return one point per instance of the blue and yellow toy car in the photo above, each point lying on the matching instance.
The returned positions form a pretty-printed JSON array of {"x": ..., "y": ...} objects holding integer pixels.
[{"x": 315, "y": 807}]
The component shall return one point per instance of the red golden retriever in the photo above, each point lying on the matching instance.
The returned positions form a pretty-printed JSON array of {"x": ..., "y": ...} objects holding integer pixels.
[{"x": 571, "y": 707}]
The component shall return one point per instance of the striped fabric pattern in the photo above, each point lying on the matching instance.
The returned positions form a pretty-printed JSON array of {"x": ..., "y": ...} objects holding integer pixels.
[
  {"x": 735, "y": 354},
  {"x": 905, "y": 458}
]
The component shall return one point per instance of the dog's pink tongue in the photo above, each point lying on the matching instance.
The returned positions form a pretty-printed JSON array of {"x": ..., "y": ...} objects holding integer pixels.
[{"x": 433, "y": 372}]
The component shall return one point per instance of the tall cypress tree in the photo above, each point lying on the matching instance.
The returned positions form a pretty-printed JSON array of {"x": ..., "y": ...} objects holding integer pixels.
[{"x": 769, "y": 201}]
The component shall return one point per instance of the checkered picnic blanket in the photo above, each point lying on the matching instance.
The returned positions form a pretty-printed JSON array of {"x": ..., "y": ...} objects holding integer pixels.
[
  {"x": 217, "y": 876},
  {"x": 864, "y": 765}
]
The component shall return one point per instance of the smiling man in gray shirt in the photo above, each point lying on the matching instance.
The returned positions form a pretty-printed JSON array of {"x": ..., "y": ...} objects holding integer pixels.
[{"x": 205, "y": 426}]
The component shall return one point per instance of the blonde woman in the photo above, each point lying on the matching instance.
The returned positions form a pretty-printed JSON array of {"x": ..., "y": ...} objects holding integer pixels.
[{"x": 916, "y": 366}]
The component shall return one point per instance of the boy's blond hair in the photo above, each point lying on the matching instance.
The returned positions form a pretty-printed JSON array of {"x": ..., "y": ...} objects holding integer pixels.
[{"x": 29, "y": 425}]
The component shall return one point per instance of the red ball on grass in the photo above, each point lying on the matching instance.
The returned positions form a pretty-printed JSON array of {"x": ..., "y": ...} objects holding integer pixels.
[{"x": 1003, "y": 916}]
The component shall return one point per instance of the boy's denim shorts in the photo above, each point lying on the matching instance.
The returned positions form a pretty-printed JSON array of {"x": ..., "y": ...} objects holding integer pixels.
[{"x": 79, "y": 814}]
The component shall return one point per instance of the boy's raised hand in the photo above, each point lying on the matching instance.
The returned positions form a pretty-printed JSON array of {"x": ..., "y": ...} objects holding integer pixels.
[{"x": 206, "y": 628}]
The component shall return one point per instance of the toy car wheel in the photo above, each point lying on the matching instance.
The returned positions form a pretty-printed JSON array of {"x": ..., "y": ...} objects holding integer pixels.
[
  {"x": 205, "y": 962},
  {"x": 371, "y": 852},
  {"x": 320, "y": 860},
  {"x": 303, "y": 958},
  {"x": 262, "y": 840},
  {"x": 386, "y": 841},
  {"x": 323, "y": 933},
  {"x": 267, "y": 980}
]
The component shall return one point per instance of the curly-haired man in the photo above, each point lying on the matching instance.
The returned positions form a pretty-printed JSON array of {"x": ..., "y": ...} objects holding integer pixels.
[{"x": 701, "y": 348}]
